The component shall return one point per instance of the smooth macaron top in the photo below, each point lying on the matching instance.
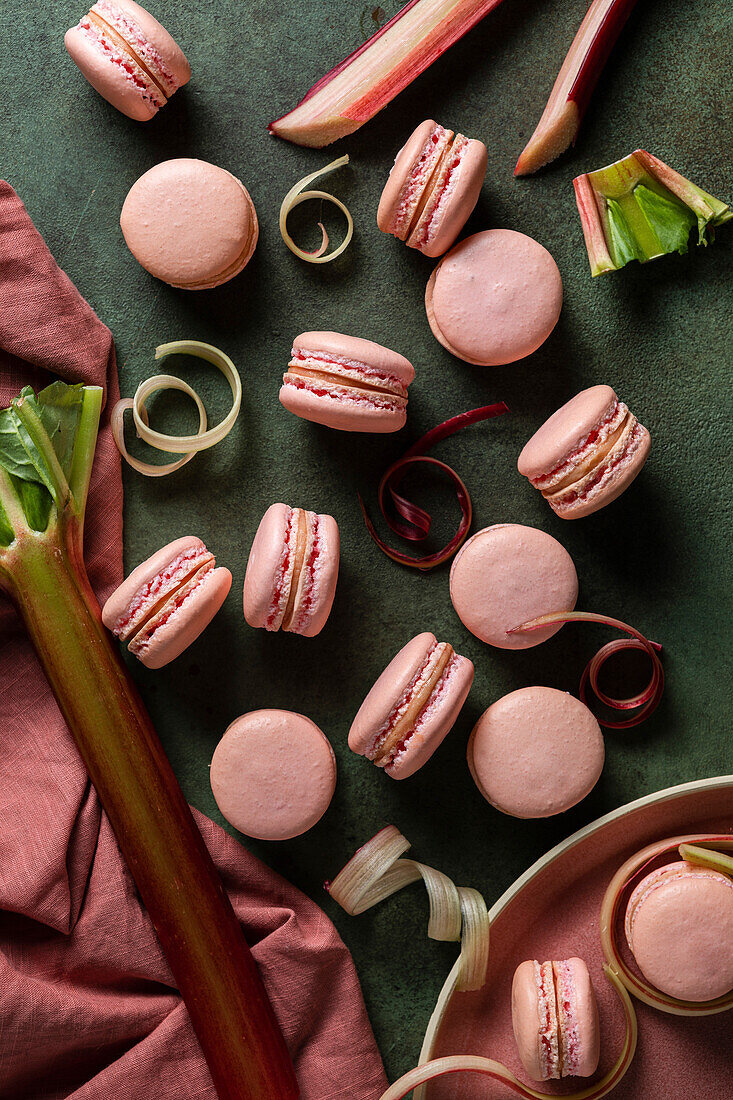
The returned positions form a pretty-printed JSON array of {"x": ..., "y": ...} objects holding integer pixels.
[
  {"x": 555, "y": 1019},
  {"x": 536, "y": 752},
  {"x": 273, "y": 774},
  {"x": 412, "y": 706},
  {"x": 566, "y": 432},
  {"x": 128, "y": 57},
  {"x": 679, "y": 927},
  {"x": 190, "y": 223},
  {"x": 494, "y": 298},
  {"x": 506, "y": 575}
]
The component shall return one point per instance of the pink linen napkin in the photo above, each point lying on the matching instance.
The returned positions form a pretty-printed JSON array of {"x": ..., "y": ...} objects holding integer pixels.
[{"x": 88, "y": 1007}]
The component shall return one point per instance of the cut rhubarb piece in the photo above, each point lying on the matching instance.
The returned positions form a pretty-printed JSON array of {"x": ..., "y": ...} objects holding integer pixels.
[
  {"x": 639, "y": 208},
  {"x": 369, "y": 78},
  {"x": 561, "y": 118}
]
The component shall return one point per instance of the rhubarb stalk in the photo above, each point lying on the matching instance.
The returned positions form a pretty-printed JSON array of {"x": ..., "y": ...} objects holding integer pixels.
[
  {"x": 47, "y": 444},
  {"x": 353, "y": 92},
  {"x": 558, "y": 127}
]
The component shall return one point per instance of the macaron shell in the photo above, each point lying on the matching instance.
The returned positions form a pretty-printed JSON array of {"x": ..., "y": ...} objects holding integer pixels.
[
  {"x": 682, "y": 932},
  {"x": 494, "y": 298},
  {"x": 325, "y": 577},
  {"x": 119, "y": 601},
  {"x": 388, "y": 690},
  {"x": 190, "y": 223},
  {"x": 580, "y": 1035},
  {"x": 133, "y": 97},
  {"x": 372, "y": 354},
  {"x": 339, "y": 410},
  {"x": 536, "y": 752},
  {"x": 564, "y": 432},
  {"x": 273, "y": 774},
  {"x": 405, "y": 163},
  {"x": 263, "y": 564},
  {"x": 458, "y": 204},
  {"x": 526, "y": 1019},
  {"x": 158, "y": 37},
  {"x": 202, "y": 598},
  {"x": 506, "y": 575},
  {"x": 614, "y": 482},
  {"x": 437, "y": 720}
]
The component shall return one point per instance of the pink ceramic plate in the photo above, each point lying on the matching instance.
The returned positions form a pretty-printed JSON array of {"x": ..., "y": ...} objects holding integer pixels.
[{"x": 551, "y": 912}]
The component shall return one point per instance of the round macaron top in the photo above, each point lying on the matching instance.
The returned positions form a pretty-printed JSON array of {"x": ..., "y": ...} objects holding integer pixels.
[
  {"x": 273, "y": 774},
  {"x": 357, "y": 350},
  {"x": 506, "y": 575},
  {"x": 190, "y": 223},
  {"x": 536, "y": 752},
  {"x": 494, "y": 298},
  {"x": 566, "y": 431},
  {"x": 679, "y": 927}
]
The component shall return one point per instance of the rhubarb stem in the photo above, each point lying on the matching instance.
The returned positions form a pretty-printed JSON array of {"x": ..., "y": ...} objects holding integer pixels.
[{"x": 49, "y": 468}]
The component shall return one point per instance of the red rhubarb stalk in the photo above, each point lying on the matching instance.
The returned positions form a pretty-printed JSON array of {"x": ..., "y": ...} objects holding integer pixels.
[
  {"x": 561, "y": 118},
  {"x": 47, "y": 445},
  {"x": 354, "y": 91}
]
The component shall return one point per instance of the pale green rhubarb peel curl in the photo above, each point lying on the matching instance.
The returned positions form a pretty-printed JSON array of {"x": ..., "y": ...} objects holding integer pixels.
[{"x": 639, "y": 209}]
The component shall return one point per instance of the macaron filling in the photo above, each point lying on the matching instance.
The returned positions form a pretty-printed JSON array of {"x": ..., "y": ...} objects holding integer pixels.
[
  {"x": 149, "y": 597},
  {"x": 119, "y": 53},
  {"x": 140, "y": 643},
  {"x": 332, "y": 376},
  {"x": 568, "y": 1019},
  {"x": 446, "y": 181},
  {"x": 296, "y": 580},
  {"x": 412, "y": 707},
  {"x": 622, "y": 451},
  {"x": 140, "y": 47},
  {"x": 549, "y": 1044},
  {"x": 416, "y": 186},
  {"x": 608, "y": 428}
]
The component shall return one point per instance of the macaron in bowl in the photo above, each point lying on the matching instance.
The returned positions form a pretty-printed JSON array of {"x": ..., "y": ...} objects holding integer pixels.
[
  {"x": 506, "y": 575},
  {"x": 128, "y": 57},
  {"x": 536, "y": 752},
  {"x": 494, "y": 298},
  {"x": 292, "y": 571},
  {"x": 555, "y": 1019},
  {"x": 347, "y": 383},
  {"x": 190, "y": 223},
  {"x": 432, "y": 189},
  {"x": 586, "y": 454},
  {"x": 679, "y": 928},
  {"x": 167, "y": 601},
  {"x": 412, "y": 706}
]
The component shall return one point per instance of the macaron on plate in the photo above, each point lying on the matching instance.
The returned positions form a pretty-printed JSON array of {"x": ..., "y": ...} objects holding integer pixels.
[
  {"x": 555, "y": 1019},
  {"x": 552, "y": 913}
]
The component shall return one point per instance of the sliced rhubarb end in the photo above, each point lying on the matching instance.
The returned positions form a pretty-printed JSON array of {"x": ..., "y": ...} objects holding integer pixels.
[
  {"x": 550, "y": 139},
  {"x": 303, "y": 131},
  {"x": 593, "y": 229}
]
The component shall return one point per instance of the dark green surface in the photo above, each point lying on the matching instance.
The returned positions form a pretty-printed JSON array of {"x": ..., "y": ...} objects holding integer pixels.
[{"x": 661, "y": 335}]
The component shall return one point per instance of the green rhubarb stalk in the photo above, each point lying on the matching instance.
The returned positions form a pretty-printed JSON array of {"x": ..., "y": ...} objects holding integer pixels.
[
  {"x": 639, "y": 208},
  {"x": 47, "y": 444}
]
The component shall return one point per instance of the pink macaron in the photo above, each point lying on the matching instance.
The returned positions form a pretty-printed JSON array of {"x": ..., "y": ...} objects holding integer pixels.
[
  {"x": 347, "y": 383},
  {"x": 412, "y": 706},
  {"x": 586, "y": 454},
  {"x": 555, "y": 1019},
  {"x": 432, "y": 189},
  {"x": 128, "y": 57},
  {"x": 494, "y": 298},
  {"x": 506, "y": 575},
  {"x": 167, "y": 601},
  {"x": 536, "y": 752},
  {"x": 679, "y": 927},
  {"x": 292, "y": 571},
  {"x": 190, "y": 223},
  {"x": 273, "y": 774}
]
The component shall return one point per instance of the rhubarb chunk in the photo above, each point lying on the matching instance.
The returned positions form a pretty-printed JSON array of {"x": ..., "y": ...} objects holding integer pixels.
[{"x": 639, "y": 208}]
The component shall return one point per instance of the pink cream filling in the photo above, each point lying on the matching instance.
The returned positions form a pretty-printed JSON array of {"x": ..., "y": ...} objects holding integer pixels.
[
  {"x": 343, "y": 393},
  {"x": 130, "y": 31},
  {"x": 142, "y": 640},
  {"x": 440, "y": 689},
  {"x": 598, "y": 436},
  {"x": 310, "y": 565},
  {"x": 603, "y": 472},
  {"x": 545, "y": 991},
  {"x": 282, "y": 589},
  {"x": 566, "y": 1010},
  {"x": 150, "y": 592},
  {"x": 365, "y": 373},
  {"x": 403, "y": 702},
  {"x": 416, "y": 182},
  {"x": 150, "y": 92},
  {"x": 447, "y": 186}
]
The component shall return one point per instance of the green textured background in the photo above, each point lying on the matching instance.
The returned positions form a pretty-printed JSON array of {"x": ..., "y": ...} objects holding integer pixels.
[{"x": 661, "y": 335}]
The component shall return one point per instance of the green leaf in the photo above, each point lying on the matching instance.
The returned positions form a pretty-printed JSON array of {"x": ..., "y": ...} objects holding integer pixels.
[
  {"x": 59, "y": 408},
  {"x": 14, "y": 453},
  {"x": 35, "y": 501},
  {"x": 7, "y": 534},
  {"x": 621, "y": 239},
  {"x": 669, "y": 220}
]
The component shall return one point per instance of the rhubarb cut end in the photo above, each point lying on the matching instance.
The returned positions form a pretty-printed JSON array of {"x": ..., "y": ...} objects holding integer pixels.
[
  {"x": 313, "y": 136},
  {"x": 549, "y": 140}
]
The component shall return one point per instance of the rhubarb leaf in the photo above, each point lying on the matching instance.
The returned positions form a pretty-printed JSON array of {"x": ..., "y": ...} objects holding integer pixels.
[
  {"x": 668, "y": 219},
  {"x": 35, "y": 501},
  {"x": 621, "y": 240},
  {"x": 16, "y": 448},
  {"x": 7, "y": 534},
  {"x": 59, "y": 407}
]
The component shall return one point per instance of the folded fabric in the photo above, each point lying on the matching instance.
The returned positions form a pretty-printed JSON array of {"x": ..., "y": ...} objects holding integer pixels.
[{"x": 88, "y": 1007}]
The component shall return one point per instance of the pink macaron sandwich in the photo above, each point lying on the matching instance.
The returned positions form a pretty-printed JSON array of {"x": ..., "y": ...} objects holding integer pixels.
[
  {"x": 128, "y": 57},
  {"x": 167, "y": 601},
  {"x": 292, "y": 571},
  {"x": 494, "y": 298},
  {"x": 536, "y": 752},
  {"x": 273, "y": 774},
  {"x": 555, "y": 1019},
  {"x": 412, "y": 706},
  {"x": 347, "y": 383},
  {"x": 432, "y": 189},
  {"x": 679, "y": 927},
  {"x": 190, "y": 223},
  {"x": 586, "y": 454}
]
